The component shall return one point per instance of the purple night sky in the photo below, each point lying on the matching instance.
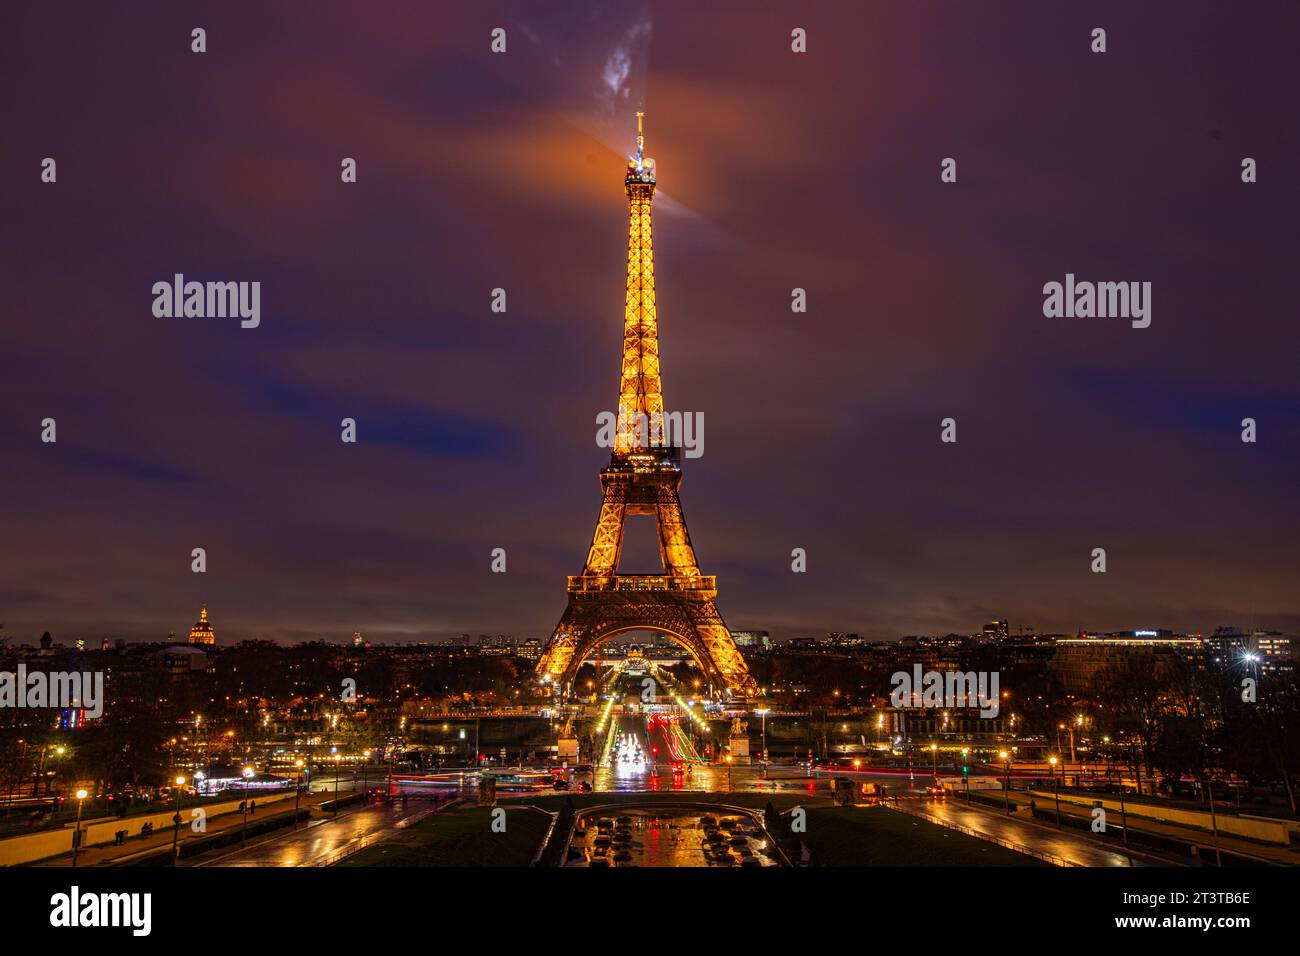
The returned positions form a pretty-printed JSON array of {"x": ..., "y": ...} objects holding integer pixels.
[{"x": 776, "y": 170}]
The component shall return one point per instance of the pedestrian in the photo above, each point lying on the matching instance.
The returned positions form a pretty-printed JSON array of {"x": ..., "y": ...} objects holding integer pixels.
[{"x": 252, "y": 807}]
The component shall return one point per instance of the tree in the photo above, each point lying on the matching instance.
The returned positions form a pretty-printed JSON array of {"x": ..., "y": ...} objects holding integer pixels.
[{"x": 1134, "y": 695}]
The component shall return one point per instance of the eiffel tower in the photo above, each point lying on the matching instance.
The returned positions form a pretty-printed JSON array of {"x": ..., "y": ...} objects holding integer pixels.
[{"x": 642, "y": 478}]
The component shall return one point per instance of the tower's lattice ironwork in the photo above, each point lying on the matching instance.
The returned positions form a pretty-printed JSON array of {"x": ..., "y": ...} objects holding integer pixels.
[{"x": 643, "y": 478}]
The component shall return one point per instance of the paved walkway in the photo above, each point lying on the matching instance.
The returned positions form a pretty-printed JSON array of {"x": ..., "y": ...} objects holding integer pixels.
[{"x": 323, "y": 841}]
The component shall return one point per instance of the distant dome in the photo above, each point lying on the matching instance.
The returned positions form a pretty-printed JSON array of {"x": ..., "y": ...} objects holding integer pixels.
[{"x": 201, "y": 632}]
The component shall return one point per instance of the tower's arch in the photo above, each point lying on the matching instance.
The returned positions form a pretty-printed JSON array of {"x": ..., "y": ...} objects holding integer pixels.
[{"x": 588, "y": 645}]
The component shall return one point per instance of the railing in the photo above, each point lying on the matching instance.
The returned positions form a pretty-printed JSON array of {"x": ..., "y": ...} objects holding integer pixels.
[{"x": 641, "y": 582}]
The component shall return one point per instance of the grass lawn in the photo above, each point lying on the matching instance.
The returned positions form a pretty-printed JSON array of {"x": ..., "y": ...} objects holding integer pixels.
[
  {"x": 461, "y": 837},
  {"x": 878, "y": 836}
]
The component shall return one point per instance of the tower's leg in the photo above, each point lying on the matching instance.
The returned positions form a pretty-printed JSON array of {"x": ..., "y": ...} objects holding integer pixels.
[
  {"x": 674, "y": 540},
  {"x": 713, "y": 635},
  {"x": 607, "y": 541}
]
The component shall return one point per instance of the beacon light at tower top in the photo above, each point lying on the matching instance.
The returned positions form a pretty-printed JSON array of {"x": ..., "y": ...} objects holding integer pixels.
[{"x": 640, "y": 167}]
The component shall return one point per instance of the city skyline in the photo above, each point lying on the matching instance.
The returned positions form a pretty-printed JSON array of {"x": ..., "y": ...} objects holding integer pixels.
[{"x": 924, "y": 302}]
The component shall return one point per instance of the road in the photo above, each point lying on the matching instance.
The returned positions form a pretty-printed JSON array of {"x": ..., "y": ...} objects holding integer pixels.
[
  {"x": 1073, "y": 848},
  {"x": 322, "y": 839}
]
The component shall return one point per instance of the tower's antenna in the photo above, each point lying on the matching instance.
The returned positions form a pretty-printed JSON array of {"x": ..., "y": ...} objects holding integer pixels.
[{"x": 640, "y": 138}]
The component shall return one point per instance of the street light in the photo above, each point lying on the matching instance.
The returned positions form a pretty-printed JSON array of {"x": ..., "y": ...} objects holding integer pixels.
[
  {"x": 336, "y": 784},
  {"x": 1007, "y": 757},
  {"x": 728, "y": 773},
  {"x": 965, "y": 772},
  {"x": 1056, "y": 788},
  {"x": 247, "y": 773},
  {"x": 934, "y": 761},
  {"x": 59, "y": 751},
  {"x": 176, "y": 822},
  {"x": 297, "y": 791},
  {"x": 76, "y": 835}
]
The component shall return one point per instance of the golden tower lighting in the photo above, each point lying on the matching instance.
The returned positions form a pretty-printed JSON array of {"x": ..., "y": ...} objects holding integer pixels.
[{"x": 643, "y": 478}]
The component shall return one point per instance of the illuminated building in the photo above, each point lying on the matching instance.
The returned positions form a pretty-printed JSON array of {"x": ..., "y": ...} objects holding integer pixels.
[
  {"x": 1081, "y": 663},
  {"x": 642, "y": 478},
  {"x": 201, "y": 632},
  {"x": 996, "y": 631},
  {"x": 761, "y": 639}
]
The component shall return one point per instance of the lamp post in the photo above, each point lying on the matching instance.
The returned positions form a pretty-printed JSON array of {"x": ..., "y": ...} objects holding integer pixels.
[
  {"x": 59, "y": 751},
  {"x": 1214, "y": 823},
  {"x": 934, "y": 762},
  {"x": 336, "y": 785},
  {"x": 762, "y": 717},
  {"x": 1007, "y": 757},
  {"x": 297, "y": 791},
  {"x": 76, "y": 835},
  {"x": 965, "y": 771},
  {"x": 365, "y": 769},
  {"x": 1056, "y": 789},
  {"x": 728, "y": 773},
  {"x": 1123, "y": 814},
  {"x": 40, "y": 771},
  {"x": 247, "y": 773},
  {"x": 176, "y": 822}
]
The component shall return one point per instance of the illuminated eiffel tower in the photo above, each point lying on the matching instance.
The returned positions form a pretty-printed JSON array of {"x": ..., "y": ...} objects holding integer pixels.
[{"x": 642, "y": 478}]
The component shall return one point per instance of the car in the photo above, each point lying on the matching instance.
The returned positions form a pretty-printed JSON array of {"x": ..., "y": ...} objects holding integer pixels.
[
  {"x": 560, "y": 784},
  {"x": 936, "y": 791}
]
